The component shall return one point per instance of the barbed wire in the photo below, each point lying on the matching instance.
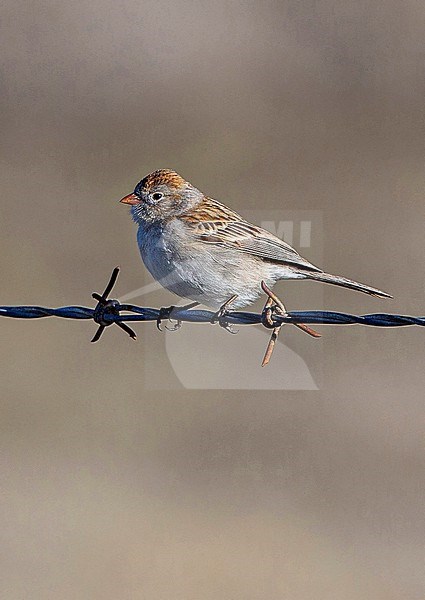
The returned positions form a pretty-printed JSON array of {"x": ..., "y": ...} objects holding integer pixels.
[{"x": 274, "y": 316}]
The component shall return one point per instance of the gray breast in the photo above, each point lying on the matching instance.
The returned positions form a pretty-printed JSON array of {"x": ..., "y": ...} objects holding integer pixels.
[{"x": 168, "y": 258}]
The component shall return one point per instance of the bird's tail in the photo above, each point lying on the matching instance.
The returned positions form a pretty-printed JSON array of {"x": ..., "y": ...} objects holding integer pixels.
[{"x": 348, "y": 283}]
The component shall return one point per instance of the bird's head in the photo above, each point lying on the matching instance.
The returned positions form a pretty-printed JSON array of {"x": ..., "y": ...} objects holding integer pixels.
[{"x": 161, "y": 195}]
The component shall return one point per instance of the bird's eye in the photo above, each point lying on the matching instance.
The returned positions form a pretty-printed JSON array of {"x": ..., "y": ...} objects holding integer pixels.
[{"x": 157, "y": 196}]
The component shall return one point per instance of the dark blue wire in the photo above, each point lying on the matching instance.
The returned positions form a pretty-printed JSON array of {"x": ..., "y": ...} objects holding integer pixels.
[{"x": 205, "y": 316}]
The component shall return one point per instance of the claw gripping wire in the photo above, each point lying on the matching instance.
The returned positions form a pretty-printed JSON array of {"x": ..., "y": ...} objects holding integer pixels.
[{"x": 274, "y": 315}]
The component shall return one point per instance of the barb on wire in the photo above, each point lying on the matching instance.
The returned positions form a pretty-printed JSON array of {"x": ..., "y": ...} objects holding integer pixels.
[
  {"x": 106, "y": 306},
  {"x": 274, "y": 315}
]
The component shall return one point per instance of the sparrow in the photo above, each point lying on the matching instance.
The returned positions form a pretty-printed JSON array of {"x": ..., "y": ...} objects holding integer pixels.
[{"x": 200, "y": 249}]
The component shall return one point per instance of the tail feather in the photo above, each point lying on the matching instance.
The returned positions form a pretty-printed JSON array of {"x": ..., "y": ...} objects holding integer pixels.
[{"x": 348, "y": 283}]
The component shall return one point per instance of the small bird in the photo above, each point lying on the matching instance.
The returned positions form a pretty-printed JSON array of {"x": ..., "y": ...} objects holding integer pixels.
[{"x": 200, "y": 249}]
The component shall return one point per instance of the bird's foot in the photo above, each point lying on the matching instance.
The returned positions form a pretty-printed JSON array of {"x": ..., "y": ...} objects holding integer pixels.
[
  {"x": 220, "y": 316},
  {"x": 166, "y": 314},
  {"x": 274, "y": 306}
]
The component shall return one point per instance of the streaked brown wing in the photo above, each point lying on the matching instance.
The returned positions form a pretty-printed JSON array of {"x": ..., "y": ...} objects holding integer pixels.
[{"x": 231, "y": 231}]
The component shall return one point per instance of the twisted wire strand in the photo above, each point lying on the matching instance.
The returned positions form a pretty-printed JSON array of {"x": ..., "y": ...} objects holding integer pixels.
[
  {"x": 37, "y": 312},
  {"x": 108, "y": 311},
  {"x": 141, "y": 314}
]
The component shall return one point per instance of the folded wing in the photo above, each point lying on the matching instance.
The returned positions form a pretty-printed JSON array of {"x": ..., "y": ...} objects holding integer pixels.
[{"x": 231, "y": 231}]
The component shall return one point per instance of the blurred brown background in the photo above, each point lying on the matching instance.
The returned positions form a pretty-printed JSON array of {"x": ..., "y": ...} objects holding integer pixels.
[{"x": 111, "y": 490}]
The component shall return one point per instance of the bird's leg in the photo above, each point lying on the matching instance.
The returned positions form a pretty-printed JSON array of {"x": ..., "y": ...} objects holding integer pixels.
[
  {"x": 220, "y": 316},
  {"x": 271, "y": 307},
  {"x": 279, "y": 308},
  {"x": 166, "y": 313},
  {"x": 222, "y": 311},
  {"x": 275, "y": 306}
]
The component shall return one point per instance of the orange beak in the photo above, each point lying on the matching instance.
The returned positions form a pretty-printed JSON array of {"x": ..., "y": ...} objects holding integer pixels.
[{"x": 131, "y": 199}]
